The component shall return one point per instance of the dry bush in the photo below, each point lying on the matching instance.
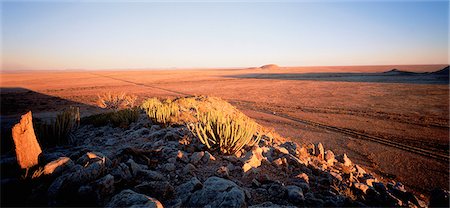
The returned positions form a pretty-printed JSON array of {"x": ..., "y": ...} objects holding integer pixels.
[
  {"x": 116, "y": 101},
  {"x": 58, "y": 131}
]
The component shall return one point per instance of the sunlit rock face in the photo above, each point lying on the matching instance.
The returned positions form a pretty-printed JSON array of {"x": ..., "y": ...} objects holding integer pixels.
[{"x": 26, "y": 146}]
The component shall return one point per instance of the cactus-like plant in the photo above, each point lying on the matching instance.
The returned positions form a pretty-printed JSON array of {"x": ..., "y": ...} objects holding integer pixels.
[
  {"x": 58, "y": 131},
  {"x": 228, "y": 133},
  {"x": 164, "y": 113}
]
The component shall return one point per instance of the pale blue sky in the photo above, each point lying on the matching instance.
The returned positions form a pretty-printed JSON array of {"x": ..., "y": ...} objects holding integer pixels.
[{"x": 106, "y": 35}]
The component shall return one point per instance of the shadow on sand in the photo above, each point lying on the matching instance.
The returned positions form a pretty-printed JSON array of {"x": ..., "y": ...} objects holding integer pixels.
[
  {"x": 17, "y": 101},
  {"x": 440, "y": 77}
]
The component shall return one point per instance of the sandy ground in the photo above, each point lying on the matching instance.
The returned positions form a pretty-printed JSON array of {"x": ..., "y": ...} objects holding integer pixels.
[{"x": 413, "y": 114}]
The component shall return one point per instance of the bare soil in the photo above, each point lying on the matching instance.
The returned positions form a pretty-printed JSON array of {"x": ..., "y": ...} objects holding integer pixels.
[{"x": 410, "y": 113}]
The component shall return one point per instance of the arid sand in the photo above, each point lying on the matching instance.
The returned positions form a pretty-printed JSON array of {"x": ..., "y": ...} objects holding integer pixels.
[{"x": 412, "y": 114}]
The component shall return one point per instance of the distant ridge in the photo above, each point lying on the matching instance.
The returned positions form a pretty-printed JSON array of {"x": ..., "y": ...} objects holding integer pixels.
[
  {"x": 444, "y": 71},
  {"x": 398, "y": 72}
]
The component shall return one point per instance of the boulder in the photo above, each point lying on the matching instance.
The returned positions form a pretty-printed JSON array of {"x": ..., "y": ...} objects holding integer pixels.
[
  {"x": 129, "y": 198},
  {"x": 26, "y": 145},
  {"x": 218, "y": 192}
]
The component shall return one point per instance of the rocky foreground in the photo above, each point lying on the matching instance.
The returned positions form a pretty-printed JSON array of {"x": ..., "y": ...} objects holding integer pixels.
[{"x": 150, "y": 166}]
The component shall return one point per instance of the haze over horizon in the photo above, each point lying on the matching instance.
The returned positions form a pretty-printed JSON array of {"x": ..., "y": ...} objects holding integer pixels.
[{"x": 120, "y": 35}]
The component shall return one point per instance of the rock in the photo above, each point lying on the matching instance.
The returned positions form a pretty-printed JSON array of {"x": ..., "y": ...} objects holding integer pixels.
[
  {"x": 223, "y": 172},
  {"x": 182, "y": 156},
  {"x": 359, "y": 171},
  {"x": 303, "y": 176},
  {"x": 57, "y": 166},
  {"x": 279, "y": 162},
  {"x": 312, "y": 201},
  {"x": 256, "y": 183},
  {"x": 129, "y": 198},
  {"x": 281, "y": 150},
  {"x": 439, "y": 198},
  {"x": 291, "y": 147},
  {"x": 295, "y": 195},
  {"x": 134, "y": 167},
  {"x": 151, "y": 175},
  {"x": 208, "y": 157},
  {"x": 370, "y": 181},
  {"x": 185, "y": 190},
  {"x": 361, "y": 187},
  {"x": 252, "y": 159},
  {"x": 270, "y": 204},
  {"x": 189, "y": 169},
  {"x": 196, "y": 157},
  {"x": 122, "y": 171},
  {"x": 103, "y": 188},
  {"x": 320, "y": 151},
  {"x": 46, "y": 157},
  {"x": 26, "y": 145},
  {"x": 344, "y": 160},
  {"x": 159, "y": 189},
  {"x": 169, "y": 167},
  {"x": 311, "y": 149},
  {"x": 379, "y": 187},
  {"x": 73, "y": 180},
  {"x": 337, "y": 176},
  {"x": 218, "y": 192},
  {"x": 329, "y": 157},
  {"x": 277, "y": 190}
]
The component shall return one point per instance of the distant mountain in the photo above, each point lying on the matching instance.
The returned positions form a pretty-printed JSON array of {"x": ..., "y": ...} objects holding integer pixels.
[
  {"x": 269, "y": 66},
  {"x": 398, "y": 72},
  {"x": 444, "y": 71}
]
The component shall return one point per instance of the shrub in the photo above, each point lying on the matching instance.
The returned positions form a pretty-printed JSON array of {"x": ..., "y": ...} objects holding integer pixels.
[
  {"x": 57, "y": 132},
  {"x": 116, "y": 101},
  {"x": 229, "y": 133},
  {"x": 122, "y": 118},
  {"x": 164, "y": 113}
]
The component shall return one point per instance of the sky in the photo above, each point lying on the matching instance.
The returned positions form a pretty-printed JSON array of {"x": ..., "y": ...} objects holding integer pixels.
[{"x": 48, "y": 35}]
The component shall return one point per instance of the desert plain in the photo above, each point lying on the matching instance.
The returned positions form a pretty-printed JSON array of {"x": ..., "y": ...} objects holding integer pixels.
[{"x": 342, "y": 107}]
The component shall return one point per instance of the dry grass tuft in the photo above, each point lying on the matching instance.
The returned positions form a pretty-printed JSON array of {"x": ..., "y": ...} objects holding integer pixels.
[{"x": 116, "y": 101}]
